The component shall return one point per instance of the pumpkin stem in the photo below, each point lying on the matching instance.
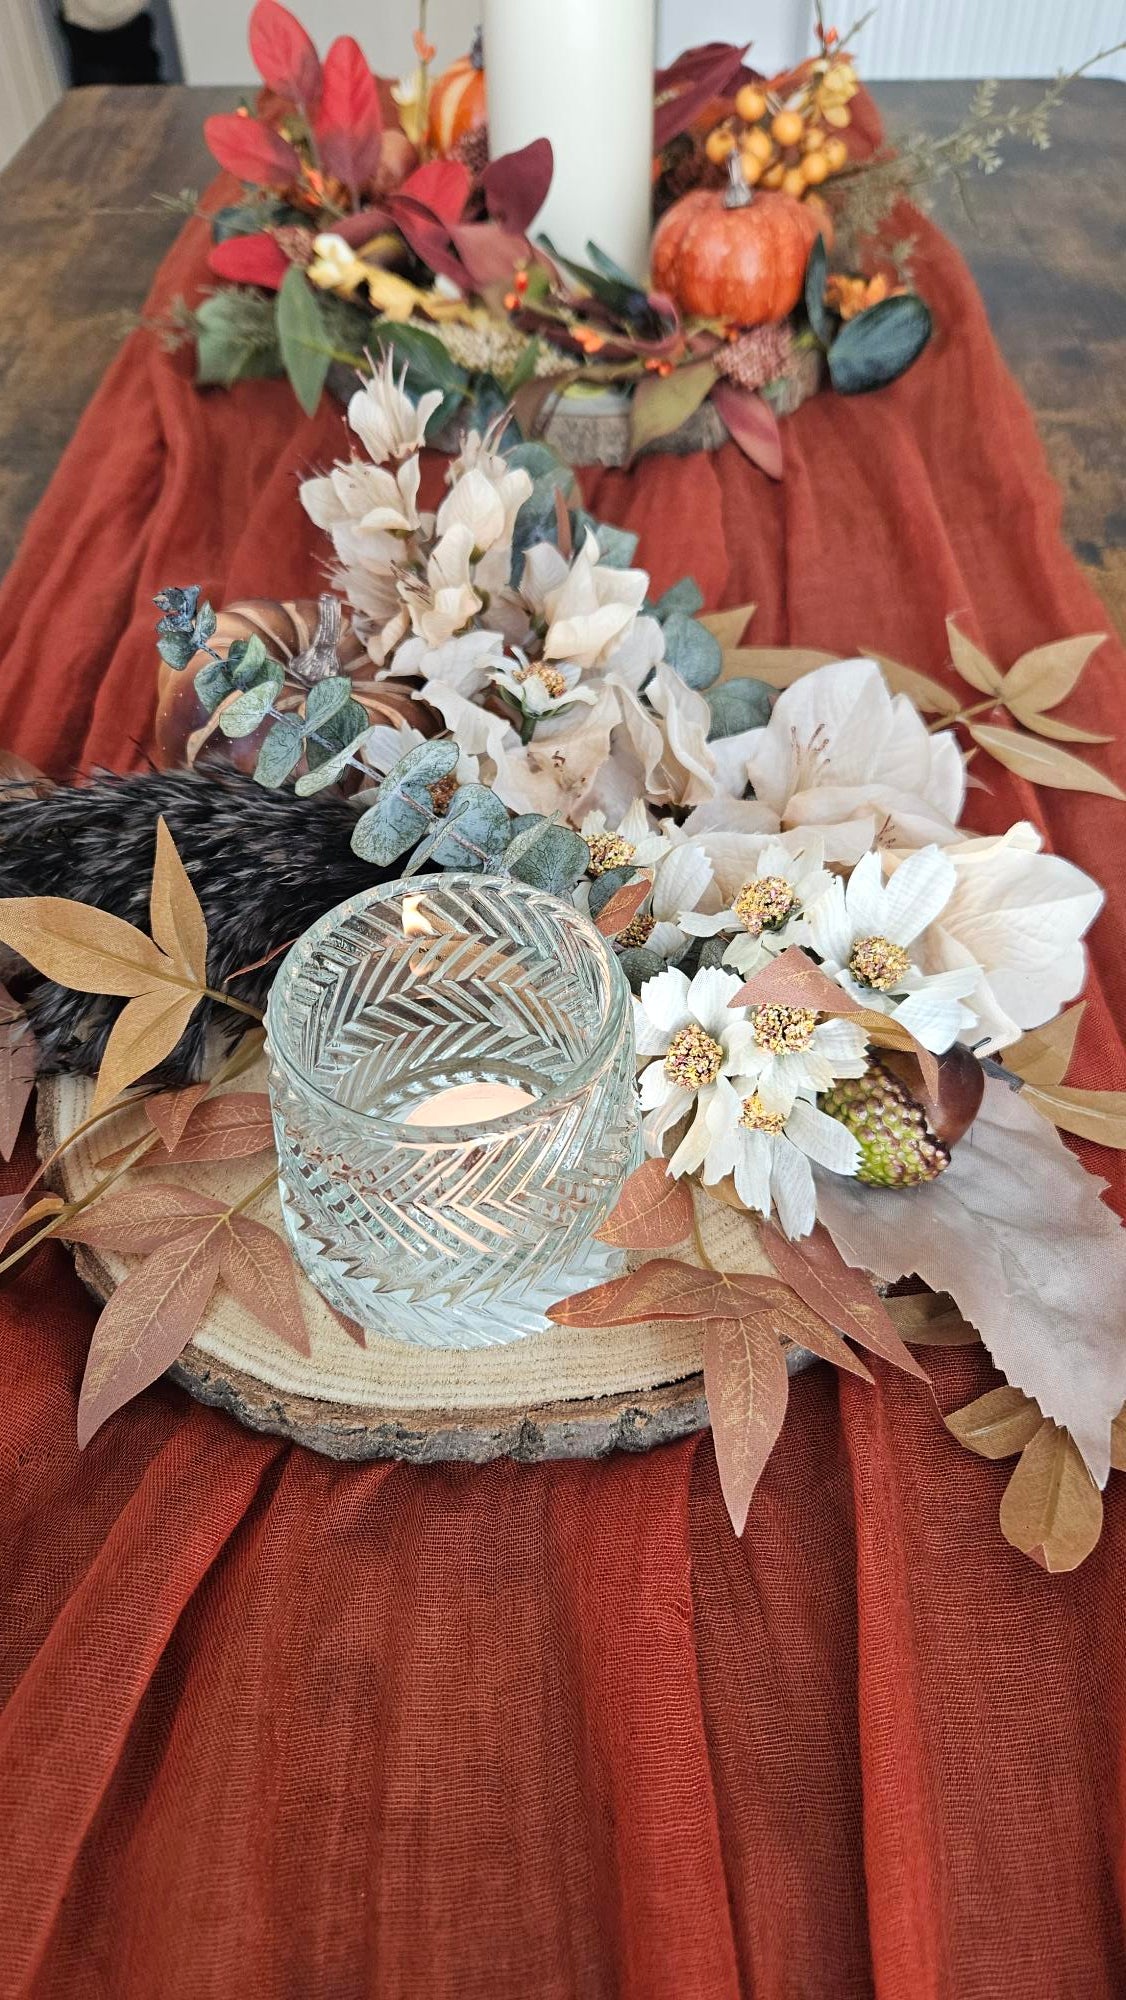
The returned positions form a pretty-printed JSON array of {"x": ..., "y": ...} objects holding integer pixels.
[
  {"x": 738, "y": 194},
  {"x": 321, "y": 658},
  {"x": 477, "y": 49}
]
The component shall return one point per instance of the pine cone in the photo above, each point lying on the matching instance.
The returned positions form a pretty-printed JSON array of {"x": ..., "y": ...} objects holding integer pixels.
[
  {"x": 472, "y": 149},
  {"x": 759, "y": 355}
]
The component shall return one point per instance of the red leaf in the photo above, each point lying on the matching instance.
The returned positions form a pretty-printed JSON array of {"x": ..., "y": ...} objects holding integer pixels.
[
  {"x": 349, "y": 124},
  {"x": 428, "y": 237},
  {"x": 250, "y": 260},
  {"x": 792, "y": 980},
  {"x": 17, "y": 1077},
  {"x": 838, "y": 1293},
  {"x": 516, "y": 185},
  {"x": 653, "y": 1211},
  {"x": 146, "y": 1325},
  {"x": 233, "y": 1127},
  {"x": 258, "y": 1271},
  {"x": 141, "y": 1219},
  {"x": 753, "y": 425},
  {"x": 705, "y": 73},
  {"x": 283, "y": 53},
  {"x": 747, "y": 1387},
  {"x": 621, "y": 908},
  {"x": 442, "y": 186},
  {"x": 250, "y": 150},
  {"x": 491, "y": 255},
  {"x": 169, "y": 1112}
]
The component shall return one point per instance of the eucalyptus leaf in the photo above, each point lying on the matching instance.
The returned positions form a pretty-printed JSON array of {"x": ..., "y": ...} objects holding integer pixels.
[
  {"x": 341, "y": 733},
  {"x": 474, "y": 831},
  {"x": 326, "y": 698},
  {"x": 684, "y": 596},
  {"x": 737, "y": 705},
  {"x": 640, "y": 965},
  {"x": 531, "y": 455},
  {"x": 823, "y": 322},
  {"x": 177, "y": 648},
  {"x": 879, "y": 344},
  {"x": 302, "y": 337},
  {"x": 247, "y": 218},
  {"x": 607, "y": 885},
  {"x": 402, "y": 811},
  {"x": 280, "y": 753},
  {"x": 206, "y": 620},
  {"x": 326, "y": 767},
  {"x": 248, "y": 662},
  {"x": 549, "y": 857},
  {"x": 213, "y": 684},
  {"x": 252, "y": 706},
  {"x": 695, "y": 653},
  {"x": 616, "y": 546}
]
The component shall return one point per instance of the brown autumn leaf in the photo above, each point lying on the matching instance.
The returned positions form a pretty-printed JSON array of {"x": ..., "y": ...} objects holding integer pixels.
[
  {"x": 778, "y": 666},
  {"x": 974, "y": 666},
  {"x": 794, "y": 1320},
  {"x": 1050, "y": 725},
  {"x": 653, "y": 1212},
  {"x": 838, "y": 1293},
  {"x": 728, "y": 626},
  {"x": 928, "y": 695},
  {"x": 747, "y": 1386},
  {"x": 998, "y": 1424},
  {"x": 18, "y": 1057},
  {"x": 175, "y": 917},
  {"x": 931, "y": 1319},
  {"x": 144, "y": 1033},
  {"x": 1043, "y": 1055},
  {"x": 1051, "y": 1509},
  {"x": 1042, "y": 763},
  {"x": 169, "y": 1110},
  {"x": 1045, "y": 676},
  {"x": 1091, "y": 1114},
  {"x": 665, "y": 1288},
  {"x": 14, "y": 1217},
  {"x": 622, "y": 907},
  {"x": 17, "y": 775},
  {"x": 257, "y": 1269},
  {"x": 235, "y": 1126},
  {"x": 78, "y": 946},
  {"x": 141, "y": 1219},
  {"x": 146, "y": 1325},
  {"x": 1118, "y": 1442},
  {"x": 793, "y": 980}
]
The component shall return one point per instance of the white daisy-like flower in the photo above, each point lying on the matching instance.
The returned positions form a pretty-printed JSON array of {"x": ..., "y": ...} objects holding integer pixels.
[
  {"x": 771, "y": 910},
  {"x": 768, "y": 1153},
  {"x": 793, "y": 1054},
  {"x": 699, "y": 1037},
  {"x": 864, "y": 934},
  {"x": 540, "y": 687},
  {"x": 385, "y": 419},
  {"x": 487, "y": 503}
]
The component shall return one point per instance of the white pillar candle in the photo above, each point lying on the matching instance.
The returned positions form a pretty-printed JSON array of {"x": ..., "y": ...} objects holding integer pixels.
[
  {"x": 468, "y": 1104},
  {"x": 580, "y": 73}
]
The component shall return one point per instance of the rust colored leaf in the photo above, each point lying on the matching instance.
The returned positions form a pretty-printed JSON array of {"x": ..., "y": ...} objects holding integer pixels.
[
  {"x": 1118, "y": 1442},
  {"x": 137, "y": 1220},
  {"x": 622, "y": 907},
  {"x": 144, "y": 1032},
  {"x": 258, "y": 1271},
  {"x": 728, "y": 626},
  {"x": 78, "y": 946},
  {"x": 146, "y": 1324},
  {"x": 1091, "y": 1114},
  {"x": 14, "y": 1218},
  {"x": 17, "y": 775},
  {"x": 666, "y": 1288},
  {"x": 998, "y": 1424},
  {"x": 839, "y": 1294},
  {"x": 974, "y": 666},
  {"x": 1047, "y": 674},
  {"x": 1043, "y": 1055},
  {"x": 18, "y": 1055},
  {"x": 175, "y": 917},
  {"x": 169, "y": 1111},
  {"x": 653, "y": 1211},
  {"x": 747, "y": 1386},
  {"x": 350, "y": 1326},
  {"x": 928, "y": 695},
  {"x": 792, "y": 980},
  {"x": 232, "y": 1127},
  {"x": 931, "y": 1319},
  {"x": 1051, "y": 1509},
  {"x": 1042, "y": 763}
]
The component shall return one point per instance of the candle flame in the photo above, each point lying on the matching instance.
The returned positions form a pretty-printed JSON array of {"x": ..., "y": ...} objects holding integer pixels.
[{"x": 415, "y": 921}]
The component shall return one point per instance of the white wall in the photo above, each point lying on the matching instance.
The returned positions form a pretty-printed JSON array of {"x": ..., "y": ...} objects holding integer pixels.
[
  {"x": 30, "y": 79},
  {"x": 212, "y": 33}
]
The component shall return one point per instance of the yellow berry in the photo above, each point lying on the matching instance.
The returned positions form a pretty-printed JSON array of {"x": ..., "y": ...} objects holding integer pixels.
[
  {"x": 787, "y": 127},
  {"x": 838, "y": 116},
  {"x": 752, "y": 168},
  {"x": 812, "y": 139},
  {"x": 719, "y": 145},
  {"x": 759, "y": 143},
  {"x": 793, "y": 183},
  {"x": 773, "y": 176},
  {"x": 814, "y": 169},
  {"x": 836, "y": 153},
  {"x": 750, "y": 103}
]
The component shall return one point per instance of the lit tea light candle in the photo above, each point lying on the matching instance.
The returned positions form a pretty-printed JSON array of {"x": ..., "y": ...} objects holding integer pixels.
[{"x": 468, "y": 1104}]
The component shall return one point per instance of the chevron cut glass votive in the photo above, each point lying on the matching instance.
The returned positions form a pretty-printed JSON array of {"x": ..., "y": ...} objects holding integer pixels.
[{"x": 455, "y": 1107}]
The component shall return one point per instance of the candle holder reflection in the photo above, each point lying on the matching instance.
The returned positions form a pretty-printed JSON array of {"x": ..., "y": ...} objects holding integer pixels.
[{"x": 452, "y": 1081}]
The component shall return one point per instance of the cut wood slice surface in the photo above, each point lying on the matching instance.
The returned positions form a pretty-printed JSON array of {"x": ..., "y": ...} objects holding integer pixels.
[{"x": 571, "y": 1392}]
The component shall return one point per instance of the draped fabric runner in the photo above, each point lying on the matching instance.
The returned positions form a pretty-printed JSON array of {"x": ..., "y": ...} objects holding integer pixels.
[{"x": 277, "y": 1726}]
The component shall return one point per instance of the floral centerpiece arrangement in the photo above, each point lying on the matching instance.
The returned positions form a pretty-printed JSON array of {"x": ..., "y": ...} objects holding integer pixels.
[{"x": 853, "y": 1017}]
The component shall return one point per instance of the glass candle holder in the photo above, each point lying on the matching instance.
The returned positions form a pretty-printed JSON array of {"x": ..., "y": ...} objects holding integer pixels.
[{"x": 483, "y": 1002}]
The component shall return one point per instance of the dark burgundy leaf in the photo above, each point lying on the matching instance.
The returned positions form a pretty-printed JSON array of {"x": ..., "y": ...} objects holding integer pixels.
[
  {"x": 752, "y": 424},
  {"x": 428, "y": 238},
  {"x": 490, "y": 254},
  {"x": 710, "y": 79},
  {"x": 515, "y": 185}
]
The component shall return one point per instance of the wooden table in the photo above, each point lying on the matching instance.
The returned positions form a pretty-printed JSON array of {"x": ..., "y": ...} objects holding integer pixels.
[{"x": 81, "y": 235}]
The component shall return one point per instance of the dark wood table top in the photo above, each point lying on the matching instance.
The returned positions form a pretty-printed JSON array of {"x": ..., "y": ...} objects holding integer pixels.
[{"x": 81, "y": 236}]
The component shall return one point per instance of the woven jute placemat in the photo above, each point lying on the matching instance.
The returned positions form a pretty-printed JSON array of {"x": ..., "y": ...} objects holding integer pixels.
[{"x": 568, "y": 1393}]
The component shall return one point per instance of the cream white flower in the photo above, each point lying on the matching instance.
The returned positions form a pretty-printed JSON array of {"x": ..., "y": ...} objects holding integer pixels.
[
  {"x": 771, "y": 910},
  {"x": 866, "y": 936},
  {"x": 540, "y": 688},
  {"x": 335, "y": 266},
  {"x": 842, "y": 753},
  {"x": 446, "y": 602},
  {"x": 792, "y": 1054},
  {"x": 699, "y": 1037},
  {"x": 1017, "y": 917},
  {"x": 679, "y": 871},
  {"x": 384, "y": 418},
  {"x": 768, "y": 1153},
  {"x": 631, "y": 842},
  {"x": 487, "y": 504},
  {"x": 592, "y": 612}
]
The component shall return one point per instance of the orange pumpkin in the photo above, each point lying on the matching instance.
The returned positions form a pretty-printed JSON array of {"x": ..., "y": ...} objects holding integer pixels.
[
  {"x": 457, "y": 103},
  {"x": 185, "y": 729},
  {"x": 736, "y": 255}
]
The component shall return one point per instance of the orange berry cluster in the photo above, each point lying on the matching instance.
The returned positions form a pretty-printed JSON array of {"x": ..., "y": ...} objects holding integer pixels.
[
  {"x": 515, "y": 297},
  {"x": 783, "y": 148},
  {"x": 850, "y": 296}
]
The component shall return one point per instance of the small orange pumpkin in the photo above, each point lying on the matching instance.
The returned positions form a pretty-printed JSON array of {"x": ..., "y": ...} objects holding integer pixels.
[
  {"x": 736, "y": 255},
  {"x": 457, "y": 102},
  {"x": 184, "y": 728}
]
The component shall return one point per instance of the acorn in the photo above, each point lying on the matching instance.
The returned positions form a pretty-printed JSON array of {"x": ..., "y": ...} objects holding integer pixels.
[{"x": 906, "y": 1134}]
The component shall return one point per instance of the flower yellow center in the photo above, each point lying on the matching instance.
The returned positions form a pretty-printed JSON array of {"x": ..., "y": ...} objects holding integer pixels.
[
  {"x": 783, "y": 1031},
  {"x": 757, "y": 1118},
  {"x": 765, "y": 904},
  {"x": 877, "y": 962},
  {"x": 551, "y": 677},
  {"x": 608, "y": 850},
  {"x": 694, "y": 1058},
  {"x": 636, "y": 933}
]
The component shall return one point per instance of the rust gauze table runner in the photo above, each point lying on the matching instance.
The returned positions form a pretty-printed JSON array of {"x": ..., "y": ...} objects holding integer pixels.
[{"x": 279, "y": 1726}]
